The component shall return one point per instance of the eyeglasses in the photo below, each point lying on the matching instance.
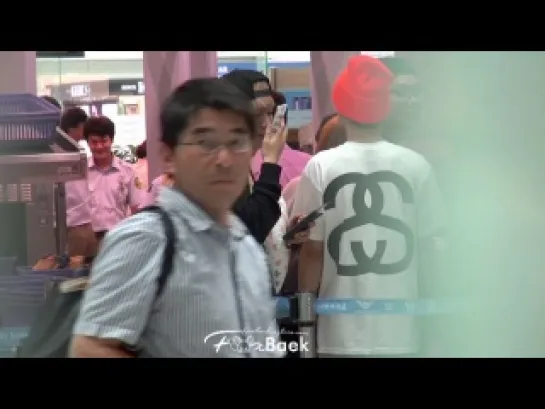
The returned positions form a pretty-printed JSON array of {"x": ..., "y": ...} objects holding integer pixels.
[{"x": 209, "y": 146}]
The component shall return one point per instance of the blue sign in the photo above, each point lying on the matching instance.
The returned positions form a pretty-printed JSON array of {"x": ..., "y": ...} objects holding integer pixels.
[
  {"x": 288, "y": 64},
  {"x": 225, "y": 67},
  {"x": 299, "y": 107},
  {"x": 298, "y": 100}
]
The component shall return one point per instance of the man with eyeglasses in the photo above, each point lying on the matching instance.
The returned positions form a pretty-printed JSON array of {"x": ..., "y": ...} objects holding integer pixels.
[
  {"x": 216, "y": 300},
  {"x": 207, "y": 146},
  {"x": 257, "y": 206}
]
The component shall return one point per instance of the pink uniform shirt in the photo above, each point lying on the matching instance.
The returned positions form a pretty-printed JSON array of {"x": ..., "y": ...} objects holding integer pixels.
[
  {"x": 293, "y": 163},
  {"x": 112, "y": 192},
  {"x": 78, "y": 203}
]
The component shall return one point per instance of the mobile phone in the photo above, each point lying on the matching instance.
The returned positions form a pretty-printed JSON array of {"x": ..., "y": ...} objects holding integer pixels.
[
  {"x": 278, "y": 117},
  {"x": 304, "y": 223}
]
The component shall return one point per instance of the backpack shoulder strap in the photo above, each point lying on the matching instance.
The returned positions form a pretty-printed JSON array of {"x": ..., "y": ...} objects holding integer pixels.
[{"x": 170, "y": 248}]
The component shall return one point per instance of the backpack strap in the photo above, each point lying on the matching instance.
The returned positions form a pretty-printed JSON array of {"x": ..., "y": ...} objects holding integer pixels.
[{"x": 170, "y": 248}]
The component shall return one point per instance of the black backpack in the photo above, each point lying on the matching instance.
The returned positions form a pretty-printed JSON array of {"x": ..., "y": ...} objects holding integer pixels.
[{"x": 50, "y": 335}]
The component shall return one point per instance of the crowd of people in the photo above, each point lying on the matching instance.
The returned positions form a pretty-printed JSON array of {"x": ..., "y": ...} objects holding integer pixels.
[{"x": 233, "y": 188}]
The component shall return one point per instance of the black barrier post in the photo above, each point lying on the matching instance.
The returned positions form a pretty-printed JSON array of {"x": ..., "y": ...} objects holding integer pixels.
[{"x": 303, "y": 314}]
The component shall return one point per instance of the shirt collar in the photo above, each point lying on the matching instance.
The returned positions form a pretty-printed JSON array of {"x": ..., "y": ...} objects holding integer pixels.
[
  {"x": 176, "y": 202},
  {"x": 116, "y": 163}
]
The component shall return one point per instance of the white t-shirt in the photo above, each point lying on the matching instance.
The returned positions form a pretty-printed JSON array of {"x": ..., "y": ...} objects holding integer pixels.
[{"x": 397, "y": 201}]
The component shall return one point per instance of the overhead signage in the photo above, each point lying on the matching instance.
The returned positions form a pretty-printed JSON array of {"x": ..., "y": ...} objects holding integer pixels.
[
  {"x": 126, "y": 86},
  {"x": 60, "y": 54},
  {"x": 80, "y": 91}
]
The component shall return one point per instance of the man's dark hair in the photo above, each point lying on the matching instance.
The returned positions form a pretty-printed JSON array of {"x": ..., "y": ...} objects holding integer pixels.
[
  {"x": 100, "y": 126},
  {"x": 325, "y": 120},
  {"x": 280, "y": 99},
  {"x": 398, "y": 66},
  {"x": 51, "y": 100},
  {"x": 197, "y": 94},
  {"x": 72, "y": 118},
  {"x": 141, "y": 151}
]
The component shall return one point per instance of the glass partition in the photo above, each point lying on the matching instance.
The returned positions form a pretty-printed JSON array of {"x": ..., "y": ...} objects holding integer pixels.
[{"x": 101, "y": 86}]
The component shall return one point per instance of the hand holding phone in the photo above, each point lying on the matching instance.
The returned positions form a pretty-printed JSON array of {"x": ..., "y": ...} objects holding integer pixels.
[
  {"x": 304, "y": 223},
  {"x": 275, "y": 137},
  {"x": 278, "y": 120}
]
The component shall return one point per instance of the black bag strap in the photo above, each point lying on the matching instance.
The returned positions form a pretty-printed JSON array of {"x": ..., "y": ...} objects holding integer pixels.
[
  {"x": 168, "y": 258},
  {"x": 170, "y": 248}
]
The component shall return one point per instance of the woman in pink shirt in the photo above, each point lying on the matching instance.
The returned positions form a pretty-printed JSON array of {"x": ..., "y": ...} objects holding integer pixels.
[
  {"x": 330, "y": 134},
  {"x": 141, "y": 166},
  {"x": 165, "y": 179}
]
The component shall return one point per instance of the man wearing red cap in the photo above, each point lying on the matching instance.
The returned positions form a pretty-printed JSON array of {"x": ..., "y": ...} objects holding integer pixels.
[{"x": 381, "y": 203}]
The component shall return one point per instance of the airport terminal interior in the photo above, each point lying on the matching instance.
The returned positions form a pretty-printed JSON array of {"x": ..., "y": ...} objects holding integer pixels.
[{"x": 470, "y": 123}]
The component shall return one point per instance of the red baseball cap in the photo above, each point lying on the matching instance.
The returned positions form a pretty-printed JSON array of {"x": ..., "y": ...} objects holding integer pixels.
[{"x": 362, "y": 90}]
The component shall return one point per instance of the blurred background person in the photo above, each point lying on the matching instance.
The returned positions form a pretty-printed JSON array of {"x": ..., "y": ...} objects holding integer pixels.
[
  {"x": 52, "y": 101},
  {"x": 405, "y": 94},
  {"x": 72, "y": 123},
  {"x": 319, "y": 132},
  {"x": 141, "y": 166},
  {"x": 166, "y": 179},
  {"x": 114, "y": 186},
  {"x": 305, "y": 141},
  {"x": 406, "y": 126},
  {"x": 330, "y": 134}
]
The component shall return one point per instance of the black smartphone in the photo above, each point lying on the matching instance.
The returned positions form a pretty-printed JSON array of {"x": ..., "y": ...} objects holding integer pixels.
[{"x": 304, "y": 223}]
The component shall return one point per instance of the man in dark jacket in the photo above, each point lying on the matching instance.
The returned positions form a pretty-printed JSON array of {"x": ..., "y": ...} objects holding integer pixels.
[{"x": 258, "y": 207}]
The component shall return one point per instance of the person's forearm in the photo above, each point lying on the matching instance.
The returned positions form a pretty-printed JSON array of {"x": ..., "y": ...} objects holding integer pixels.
[
  {"x": 260, "y": 210},
  {"x": 86, "y": 347},
  {"x": 271, "y": 159},
  {"x": 310, "y": 269}
]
